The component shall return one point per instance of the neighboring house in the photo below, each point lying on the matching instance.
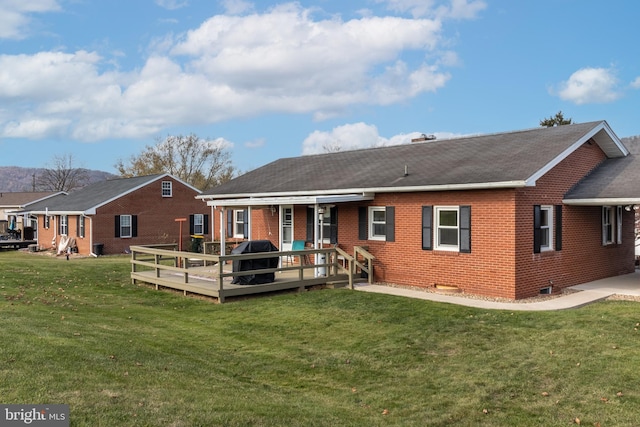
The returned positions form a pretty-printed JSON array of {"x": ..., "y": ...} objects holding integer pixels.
[
  {"x": 14, "y": 202},
  {"x": 112, "y": 215},
  {"x": 507, "y": 215}
]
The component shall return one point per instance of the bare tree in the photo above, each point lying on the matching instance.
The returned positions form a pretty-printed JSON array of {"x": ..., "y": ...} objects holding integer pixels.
[
  {"x": 199, "y": 162},
  {"x": 62, "y": 175}
]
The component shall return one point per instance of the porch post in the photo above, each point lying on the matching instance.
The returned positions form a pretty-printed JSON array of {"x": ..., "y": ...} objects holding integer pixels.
[{"x": 222, "y": 232}]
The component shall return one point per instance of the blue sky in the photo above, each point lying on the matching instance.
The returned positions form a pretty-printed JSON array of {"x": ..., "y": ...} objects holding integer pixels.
[{"x": 102, "y": 79}]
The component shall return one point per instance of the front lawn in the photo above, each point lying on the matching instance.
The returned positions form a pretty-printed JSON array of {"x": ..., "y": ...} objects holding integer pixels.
[{"x": 78, "y": 332}]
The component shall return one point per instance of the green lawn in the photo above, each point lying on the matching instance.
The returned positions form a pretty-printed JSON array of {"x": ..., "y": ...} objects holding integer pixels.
[{"x": 78, "y": 332}]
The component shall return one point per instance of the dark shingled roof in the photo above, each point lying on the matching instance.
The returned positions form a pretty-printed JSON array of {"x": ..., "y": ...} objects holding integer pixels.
[
  {"x": 615, "y": 179},
  {"x": 485, "y": 159},
  {"x": 93, "y": 195},
  {"x": 24, "y": 198}
]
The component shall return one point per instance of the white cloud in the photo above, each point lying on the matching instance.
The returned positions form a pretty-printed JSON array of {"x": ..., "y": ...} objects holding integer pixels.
[
  {"x": 237, "y": 7},
  {"x": 357, "y": 135},
  {"x": 280, "y": 61},
  {"x": 590, "y": 85},
  {"x": 15, "y": 15},
  {"x": 172, "y": 4},
  {"x": 457, "y": 9},
  {"x": 636, "y": 83}
]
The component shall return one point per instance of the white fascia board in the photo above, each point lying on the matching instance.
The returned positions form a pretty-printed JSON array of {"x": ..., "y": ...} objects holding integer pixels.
[
  {"x": 295, "y": 200},
  {"x": 531, "y": 181},
  {"x": 57, "y": 212},
  {"x": 215, "y": 199},
  {"x": 602, "y": 202}
]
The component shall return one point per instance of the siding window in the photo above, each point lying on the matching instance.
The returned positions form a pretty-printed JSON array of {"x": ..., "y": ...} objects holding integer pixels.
[
  {"x": 81, "y": 226},
  {"x": 126, "y": 226},
  {"x": 64, "y": 225},
  {"x": 198, "y": 224},
  {"x": 238, "y": 223},
  {"x": 545, "y": 227},
  {"x": 377, "y": 223},
  {"x": 611, "y": 225},
  {"x": 446, "y": 228},
  {"x": 167, "y": 189}
]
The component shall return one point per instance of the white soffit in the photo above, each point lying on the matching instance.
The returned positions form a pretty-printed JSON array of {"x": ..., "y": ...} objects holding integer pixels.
[{"x": 294, "y": 200}]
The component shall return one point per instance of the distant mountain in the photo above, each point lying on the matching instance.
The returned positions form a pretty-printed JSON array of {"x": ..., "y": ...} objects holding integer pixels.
[{"x": 14, "y": 178}]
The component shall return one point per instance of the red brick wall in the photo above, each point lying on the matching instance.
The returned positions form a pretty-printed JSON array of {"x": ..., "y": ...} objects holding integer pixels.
[
  {"x": 583, "y": 258},
  {"x": 156, "y": 220},
  {"x": 502, "y": 262}
]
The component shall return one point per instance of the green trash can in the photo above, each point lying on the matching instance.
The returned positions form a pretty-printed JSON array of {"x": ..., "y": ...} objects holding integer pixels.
[{"x": 196, "y": 243}]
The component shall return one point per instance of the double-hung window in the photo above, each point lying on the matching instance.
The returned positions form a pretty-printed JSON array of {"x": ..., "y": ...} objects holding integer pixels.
[
  {"x": 64, "y": 225},
  {"x": 546, "y": 228},
  {"x": 611, "y": 225},
  {"x": 198, "y": 224},
  {"x": 81, "y": 227},
  {"x": 377, "y": 223},
  {"x": 447, "y": 228},
  {"x": 125, "y": 225},
  {"x": 167, "y": 189},
  {"x": 238, "y": 223}
]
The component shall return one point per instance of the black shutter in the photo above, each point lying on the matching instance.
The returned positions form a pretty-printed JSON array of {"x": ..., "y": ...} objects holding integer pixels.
[
  {"x": 558, "y": 227},
  {"x": 117, "y": 221},
  {"x": 465, "y": 229},
  {"x": 362, "y": 223},
  {"x": 245, "y": 224},
  {"x": 191, "y": 224},
  {"x": 78, "y": 226},
  {"x": 537, "y": 230},
  {"x": 205, "y": 226},
  {"x": 134, "y": 225},
  {"x": 59, "y": 224},
  {"x": 427, "y": 224},
  {"x": 229, "y": 223},
  {"x": 390, "y": 226},
  {"x": 310, "y": 225},
  {"x": 333, "y": 225}
]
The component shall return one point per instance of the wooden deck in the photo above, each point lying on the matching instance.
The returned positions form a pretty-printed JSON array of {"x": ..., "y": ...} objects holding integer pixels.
[{"x": 212, "y": 275}]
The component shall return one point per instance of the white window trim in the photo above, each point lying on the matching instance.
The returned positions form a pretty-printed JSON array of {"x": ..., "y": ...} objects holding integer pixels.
[
  {"x": 373, "y": 209},
  {"x": 614, "y": 216},
  {"x": 64, "y": 225},
  {"x": 237, "y": 223},
  {"x": 81, "y": 226},
  {"x": 436, "y": 227},
  {"x": 130, "y": 226},
  {"x": 198, "y": 222},
  {"x": 167, "y": 189},
  {"x": 549, "y": 227}
]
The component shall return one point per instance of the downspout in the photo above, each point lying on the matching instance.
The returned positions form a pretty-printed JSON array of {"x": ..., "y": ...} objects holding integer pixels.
[{"x": 91, "y": 237}]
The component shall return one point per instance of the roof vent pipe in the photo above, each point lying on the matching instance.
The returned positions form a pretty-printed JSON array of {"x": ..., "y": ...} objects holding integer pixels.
[{"x": 406, "y": 170}]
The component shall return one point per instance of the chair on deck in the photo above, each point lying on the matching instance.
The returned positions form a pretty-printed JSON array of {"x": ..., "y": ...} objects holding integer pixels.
[{"x": 298, "y": 245}]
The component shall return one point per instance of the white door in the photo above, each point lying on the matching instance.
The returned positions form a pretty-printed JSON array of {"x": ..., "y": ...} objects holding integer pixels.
[{"x": 286, "y": 227}]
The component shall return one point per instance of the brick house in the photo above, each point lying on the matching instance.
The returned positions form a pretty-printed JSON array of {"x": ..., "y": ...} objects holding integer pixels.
[
  {"x": 111, "y": 215},
  {"x": 508, "y": 215},
  {"x": 12, "y": 203}
]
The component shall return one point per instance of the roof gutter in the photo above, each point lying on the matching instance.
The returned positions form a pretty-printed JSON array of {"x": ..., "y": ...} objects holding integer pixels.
[
  {"x": 605, "y": 201},
  {"x": 365, "y": 191}
]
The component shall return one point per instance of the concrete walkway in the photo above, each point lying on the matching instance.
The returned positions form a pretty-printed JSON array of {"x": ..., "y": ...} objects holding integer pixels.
[{"x": 628, "y": 284}]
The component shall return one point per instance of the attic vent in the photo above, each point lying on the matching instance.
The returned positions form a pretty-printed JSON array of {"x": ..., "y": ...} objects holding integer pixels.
[{"x": 423, "y": 137}]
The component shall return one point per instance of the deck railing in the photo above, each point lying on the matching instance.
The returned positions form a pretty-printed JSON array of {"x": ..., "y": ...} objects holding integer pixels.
[{"x": 338, "y": 266}]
